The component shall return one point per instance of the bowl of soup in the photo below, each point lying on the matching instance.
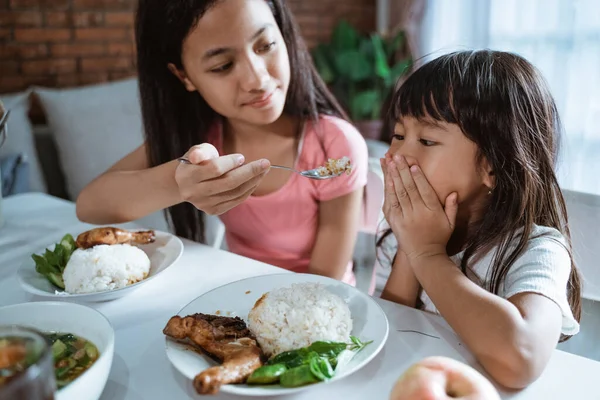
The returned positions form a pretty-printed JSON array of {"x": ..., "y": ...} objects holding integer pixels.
[{"x": 80, "y": 339}]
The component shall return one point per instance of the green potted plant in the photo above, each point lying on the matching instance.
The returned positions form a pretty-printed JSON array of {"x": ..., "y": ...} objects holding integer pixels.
[{"x": 361, "y": 70}]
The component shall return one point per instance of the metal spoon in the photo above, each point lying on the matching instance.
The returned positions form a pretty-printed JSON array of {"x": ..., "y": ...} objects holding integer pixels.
[{"x": 310, "y": 173}]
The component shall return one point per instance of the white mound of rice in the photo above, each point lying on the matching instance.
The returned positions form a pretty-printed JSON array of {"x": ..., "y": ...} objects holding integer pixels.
[
  {"x": 105, "y": 267},
  {"x": 293, "y": 317}
]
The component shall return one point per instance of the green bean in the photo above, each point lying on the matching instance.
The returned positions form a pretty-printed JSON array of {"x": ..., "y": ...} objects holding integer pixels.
[
  {"x": 267, "y": 374},
  {"x": 298, "y": 376},
  {"x": 321, "y": 368}
]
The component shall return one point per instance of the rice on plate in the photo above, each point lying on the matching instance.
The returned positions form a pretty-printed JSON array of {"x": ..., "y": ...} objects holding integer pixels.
[
  {"x": 294, "y": 317},
  {"x": 105, "y": 267}
]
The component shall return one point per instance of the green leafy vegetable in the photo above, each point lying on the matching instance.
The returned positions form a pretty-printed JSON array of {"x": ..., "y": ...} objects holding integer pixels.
[
  {"x": 315, "y": 363},
  {"x": 52, "y": 263},
  {"x": 357, "y": 345}
]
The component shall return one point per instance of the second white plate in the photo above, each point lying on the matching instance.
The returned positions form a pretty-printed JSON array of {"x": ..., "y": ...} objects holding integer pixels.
[{"x": 237, "y": 298}]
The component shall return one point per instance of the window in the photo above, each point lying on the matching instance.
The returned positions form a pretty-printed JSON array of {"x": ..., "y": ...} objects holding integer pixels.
[{"x": 561, "y": 38}]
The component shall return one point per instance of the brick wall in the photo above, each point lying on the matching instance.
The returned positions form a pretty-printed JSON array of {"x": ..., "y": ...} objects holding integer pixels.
[{"x": 64, "y": 43}]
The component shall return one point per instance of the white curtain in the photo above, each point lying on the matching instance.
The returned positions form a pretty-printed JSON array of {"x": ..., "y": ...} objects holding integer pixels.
[{"x": 560, "y": 37}]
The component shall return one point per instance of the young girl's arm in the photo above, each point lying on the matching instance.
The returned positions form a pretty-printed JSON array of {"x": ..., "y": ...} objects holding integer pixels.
[
  {"x": 512, "y": 339},
  {"x": 130, "y": 190},
  {"x": 336, "y": 236},
  {"x": 402, "y": 286}
]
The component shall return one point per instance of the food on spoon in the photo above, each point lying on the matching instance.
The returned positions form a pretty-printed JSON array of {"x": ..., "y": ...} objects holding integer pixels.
[
  {"x": 73, "y": 355},
  {"x": 335, "y": 167},
  {"x": 225, "y": 338},
  {"x": 110, "y": 235},
  {"x": 441, "y": 378},
  {"x": 105, "y": 267},
  {"x": 293, "y": 317}
]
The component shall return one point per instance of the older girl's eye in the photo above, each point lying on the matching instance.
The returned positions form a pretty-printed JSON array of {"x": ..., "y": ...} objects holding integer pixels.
[
  {"x": 222, "y": 68},
  {"x": 266, "y": 47},
  {"x": 426, "y": 142}
]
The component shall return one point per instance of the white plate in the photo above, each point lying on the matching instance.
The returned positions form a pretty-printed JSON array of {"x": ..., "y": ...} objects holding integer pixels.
[
  {"x": 163, "y": 252},
  {"x": 237, "y": 298}
]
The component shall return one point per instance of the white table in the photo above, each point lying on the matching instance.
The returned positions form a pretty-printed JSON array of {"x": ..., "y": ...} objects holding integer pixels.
[{"x": 141, "y": 370}]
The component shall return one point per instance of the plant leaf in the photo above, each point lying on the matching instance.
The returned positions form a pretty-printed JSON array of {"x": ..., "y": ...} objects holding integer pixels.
[
  {"x": 394, "y": 44},
  {"x": 353, "y": 65},
  {"x": 399, "y": 69},
  {"x": 382, "y": 68},
  {"x": 344, "y": 37},
  {"x": 323, "y": 64},
  {"x": 365, "y": 104}
]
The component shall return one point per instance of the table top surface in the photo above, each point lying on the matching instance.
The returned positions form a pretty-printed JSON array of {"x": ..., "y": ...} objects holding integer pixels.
[{"x": 141, "y": 369}]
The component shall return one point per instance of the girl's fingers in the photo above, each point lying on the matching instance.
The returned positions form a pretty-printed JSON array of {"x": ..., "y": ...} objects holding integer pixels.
[
  {"x": 451, "y": 208},
  {"x": 390, "y": 199},
  {"x": 407, "y": 179},
  {"x": 428, "y": 195},
  {"x": 400, "y": 189},
  {"x": 383, "y": 163}
]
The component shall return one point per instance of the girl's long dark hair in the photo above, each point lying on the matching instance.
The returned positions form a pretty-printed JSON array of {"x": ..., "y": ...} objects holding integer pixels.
[
  {"x": 501, "y": 103},
  {"x": 175, "y": 119}
]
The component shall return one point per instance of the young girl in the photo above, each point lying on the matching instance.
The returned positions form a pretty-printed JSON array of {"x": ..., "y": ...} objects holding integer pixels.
[
  {"x": 232, "y": 101},
  {"x": 477, "y": 213}
]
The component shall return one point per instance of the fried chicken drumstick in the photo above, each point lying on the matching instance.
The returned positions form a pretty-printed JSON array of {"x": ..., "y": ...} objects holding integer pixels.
[
  {"x": 110, "y": 235},
  {"x": 225, "y": 338}
]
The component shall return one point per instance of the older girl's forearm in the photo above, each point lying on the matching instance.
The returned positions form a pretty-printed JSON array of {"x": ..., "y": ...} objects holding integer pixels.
[
  {"x": 492, "y": 327},
  {"x": 123, "y": 196},
  {"x": 402, "y": 286}
]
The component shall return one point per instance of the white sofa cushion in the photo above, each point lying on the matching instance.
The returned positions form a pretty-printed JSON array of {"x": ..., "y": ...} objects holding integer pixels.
[
  {"x": 20, "y": 137},
  {"x": 93, "y": 126}
]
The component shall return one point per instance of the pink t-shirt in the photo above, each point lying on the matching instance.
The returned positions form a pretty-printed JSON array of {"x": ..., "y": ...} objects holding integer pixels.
[{"x": 280, "y": 228}]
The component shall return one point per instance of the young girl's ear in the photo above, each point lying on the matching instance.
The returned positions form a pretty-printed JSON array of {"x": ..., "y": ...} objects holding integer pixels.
[
  {"x": 182, "y": 76},
  {"x": 487, "y": 175}
]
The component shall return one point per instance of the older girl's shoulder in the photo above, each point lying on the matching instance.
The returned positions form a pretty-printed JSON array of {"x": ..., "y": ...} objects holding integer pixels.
[{"x": 333, "y": 129}]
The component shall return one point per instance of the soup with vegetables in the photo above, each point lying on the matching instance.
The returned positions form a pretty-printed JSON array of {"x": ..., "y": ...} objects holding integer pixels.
[{"x": 73, "y": 355}]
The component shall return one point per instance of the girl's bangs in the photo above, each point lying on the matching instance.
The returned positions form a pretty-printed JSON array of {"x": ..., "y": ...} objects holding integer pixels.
[{"x": 424, "y": 96}]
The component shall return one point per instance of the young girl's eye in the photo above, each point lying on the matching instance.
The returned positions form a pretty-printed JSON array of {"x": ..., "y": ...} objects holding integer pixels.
[
  {"x": 266, "y": 47},
  {"x": 426, "y": 142},
  {"x": 222, "y": 68},
  {"x": 397, "y": 137}
]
